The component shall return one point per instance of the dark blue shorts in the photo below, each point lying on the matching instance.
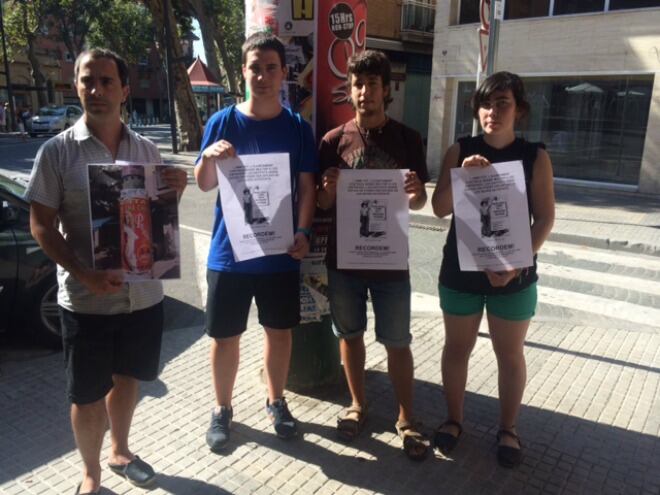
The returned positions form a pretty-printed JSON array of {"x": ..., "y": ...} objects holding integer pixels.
[{"x": 229, "y": 297}]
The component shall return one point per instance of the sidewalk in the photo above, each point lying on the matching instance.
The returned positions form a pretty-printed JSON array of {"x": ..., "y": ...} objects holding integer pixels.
[{"x": 589, "y": 423}]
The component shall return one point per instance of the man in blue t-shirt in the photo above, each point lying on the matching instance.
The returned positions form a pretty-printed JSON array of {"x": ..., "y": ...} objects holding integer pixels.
[{"x": 258, "y": 125}]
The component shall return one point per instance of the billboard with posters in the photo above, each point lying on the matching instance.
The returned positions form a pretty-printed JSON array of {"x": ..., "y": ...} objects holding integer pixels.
[{"x": 342, "y": 32}]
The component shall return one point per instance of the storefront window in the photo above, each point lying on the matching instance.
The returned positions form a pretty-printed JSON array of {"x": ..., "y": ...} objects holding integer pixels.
[
  {"x": 469, "y": 12},
  {"x": 633, "y": 4},
  {"x": 594, "y": 127},
  {"x": 520, "y": 9},
  {"x": 578, "y": 6}
]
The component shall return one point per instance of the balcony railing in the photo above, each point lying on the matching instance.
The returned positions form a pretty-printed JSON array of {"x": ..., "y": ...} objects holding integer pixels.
[{"x": 418, "y": 16}]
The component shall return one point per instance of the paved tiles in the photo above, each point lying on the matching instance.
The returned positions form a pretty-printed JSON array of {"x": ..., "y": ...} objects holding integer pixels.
[{"x": 590, "y": 423}]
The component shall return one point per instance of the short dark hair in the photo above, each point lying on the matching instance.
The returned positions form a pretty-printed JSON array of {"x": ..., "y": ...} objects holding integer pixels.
[
  {"x": 263, "y": 41},
  {"x": 501, "y": 81},
  {"x": 96, "y": 53},
  {"x": 371, "y": 63}
]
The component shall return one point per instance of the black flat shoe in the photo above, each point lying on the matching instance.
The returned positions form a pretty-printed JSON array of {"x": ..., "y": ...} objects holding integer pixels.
[
  {"x": 137, "y": 472},
  {"x": 77, "y": 492},
  {"x": 444, "y": 441},
  {"x": 509, "y": 457}
]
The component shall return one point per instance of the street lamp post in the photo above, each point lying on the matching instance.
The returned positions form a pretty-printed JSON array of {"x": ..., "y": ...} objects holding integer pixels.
[
  {"x": 10, "y": 96},
  {"x": 170, "y": 75}
]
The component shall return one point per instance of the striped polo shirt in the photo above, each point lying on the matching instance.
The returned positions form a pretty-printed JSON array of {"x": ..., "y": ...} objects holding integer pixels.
[{"x": 59, "y": 181}]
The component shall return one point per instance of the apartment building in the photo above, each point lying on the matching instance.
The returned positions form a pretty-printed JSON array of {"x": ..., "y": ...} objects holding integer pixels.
[
  {"x": 591, "y": 70},
  {"x": 403, "y": 29}
]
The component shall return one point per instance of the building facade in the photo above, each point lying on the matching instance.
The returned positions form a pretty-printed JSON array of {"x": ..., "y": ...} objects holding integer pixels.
[
  {"x": 591, "y": 72},
  {"x": 403, "y": 29}
]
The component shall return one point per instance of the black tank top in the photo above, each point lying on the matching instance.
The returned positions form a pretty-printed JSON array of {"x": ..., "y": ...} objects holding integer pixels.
[{"x": 451, "y": 275}]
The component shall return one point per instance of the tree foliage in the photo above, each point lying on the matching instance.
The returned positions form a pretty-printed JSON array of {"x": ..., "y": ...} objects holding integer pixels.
[
  {"x": 70, "y": 21},
  {"x": 124, "y": 26}
]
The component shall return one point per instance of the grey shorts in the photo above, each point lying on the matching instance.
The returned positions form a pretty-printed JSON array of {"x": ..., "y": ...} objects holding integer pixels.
[{"x": 391, "y": 304}]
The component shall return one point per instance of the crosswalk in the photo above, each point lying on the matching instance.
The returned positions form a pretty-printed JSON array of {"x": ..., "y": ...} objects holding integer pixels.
[
  {"x": 578, "y": 284},
  {"x": 585, "y": 285}
]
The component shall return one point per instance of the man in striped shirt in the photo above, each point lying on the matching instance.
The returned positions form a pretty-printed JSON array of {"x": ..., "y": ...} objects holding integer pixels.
[{"x": 111, "y": 329}]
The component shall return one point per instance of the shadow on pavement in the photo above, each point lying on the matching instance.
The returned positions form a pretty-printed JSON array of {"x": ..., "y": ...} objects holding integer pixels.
[{"x": 34, "y": 409}]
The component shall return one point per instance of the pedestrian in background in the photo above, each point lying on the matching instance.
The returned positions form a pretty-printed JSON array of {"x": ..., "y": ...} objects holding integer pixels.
[
  {"x": 3, "y": 117},
  {"x": 509, "y": 297}
]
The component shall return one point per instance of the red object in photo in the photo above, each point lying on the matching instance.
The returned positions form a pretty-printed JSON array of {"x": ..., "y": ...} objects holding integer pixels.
[{"x": 135, "y": 223}]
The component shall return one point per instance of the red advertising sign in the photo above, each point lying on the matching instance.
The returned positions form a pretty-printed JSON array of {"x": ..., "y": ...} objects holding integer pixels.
[{"x": 341, "y": 32}]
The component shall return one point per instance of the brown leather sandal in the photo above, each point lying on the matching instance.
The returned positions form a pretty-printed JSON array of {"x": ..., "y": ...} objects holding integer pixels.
[
  {"x": 413, "y": 440},
  {"x": 351, "y": 423}
]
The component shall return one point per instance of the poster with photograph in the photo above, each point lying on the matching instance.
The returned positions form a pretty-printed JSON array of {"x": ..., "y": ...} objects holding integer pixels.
[
  {"x": 492, "y": 217},
  {"x": 255, "y": 193},
  {"x": 135, "y": 221},
  {"x": 372, "y": 220}
]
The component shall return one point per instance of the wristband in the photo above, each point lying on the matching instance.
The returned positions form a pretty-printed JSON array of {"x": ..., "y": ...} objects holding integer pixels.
[{"x": 306, "y": 231}]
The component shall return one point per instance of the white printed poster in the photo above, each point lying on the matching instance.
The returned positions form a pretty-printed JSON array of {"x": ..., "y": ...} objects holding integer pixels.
[
  {"x": 372, "y": 220},
  {"x": 255, "y": 193},
  {"x": 492, "y": 217}
]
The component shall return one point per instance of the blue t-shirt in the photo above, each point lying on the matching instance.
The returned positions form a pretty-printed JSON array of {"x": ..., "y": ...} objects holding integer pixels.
[{"x": 286, "y": 133}]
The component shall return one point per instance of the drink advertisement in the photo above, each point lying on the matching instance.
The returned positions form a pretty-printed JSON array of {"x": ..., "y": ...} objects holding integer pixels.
[
  {"x": 342, "y": 32},
  {"x": 135, "y": 221}
]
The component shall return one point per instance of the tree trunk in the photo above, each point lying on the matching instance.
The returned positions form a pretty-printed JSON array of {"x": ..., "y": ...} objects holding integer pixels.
[
  {"x": 207, "y": 26},
  {"x": 35, "y": 71},
  {"x": 226, "y": 62},
  {"x": 189, "y": 124}
]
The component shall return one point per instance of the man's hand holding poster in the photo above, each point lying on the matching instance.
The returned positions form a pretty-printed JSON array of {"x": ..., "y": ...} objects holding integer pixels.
[
  {"x": 255, "y": 193},
  {"x": 492, "y": 217},
  {"x": 372, "y": 220}
]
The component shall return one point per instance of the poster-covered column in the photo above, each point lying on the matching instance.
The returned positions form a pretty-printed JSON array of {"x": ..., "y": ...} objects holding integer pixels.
[
  {"x": 294, "y": 22},
  {"x": 342, "y": 32}
]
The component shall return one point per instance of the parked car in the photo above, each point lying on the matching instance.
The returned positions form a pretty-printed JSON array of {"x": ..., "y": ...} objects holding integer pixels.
[
  {"x": 28, "y": 284},
  {"x": 52, "y": 120}
]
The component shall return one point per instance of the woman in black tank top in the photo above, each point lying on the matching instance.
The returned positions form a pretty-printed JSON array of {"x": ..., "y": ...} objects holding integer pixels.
[{"x": 510, "y": 296}]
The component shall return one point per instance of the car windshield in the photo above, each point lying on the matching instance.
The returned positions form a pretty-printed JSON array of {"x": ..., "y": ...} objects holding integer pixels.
[
  {"x": 51, "y": 112},
  {"x": 14, "y": 187}
]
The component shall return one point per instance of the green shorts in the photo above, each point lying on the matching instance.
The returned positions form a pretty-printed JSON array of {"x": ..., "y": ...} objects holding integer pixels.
[{"x": 518, "y": 306}]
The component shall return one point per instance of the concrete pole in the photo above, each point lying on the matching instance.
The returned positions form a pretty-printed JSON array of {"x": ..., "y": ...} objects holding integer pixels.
[
  {"x": 491, "y": 56},
  {"x": 170, "y": 74}
]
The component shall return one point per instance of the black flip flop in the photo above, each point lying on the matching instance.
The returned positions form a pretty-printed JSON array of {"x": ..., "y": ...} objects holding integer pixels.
[
  {"x": 508, "y": 457},
  {"x": 77, "y": 492},
  {"x": 136, "y": 472},
  {"x": 444, "y": 441}
]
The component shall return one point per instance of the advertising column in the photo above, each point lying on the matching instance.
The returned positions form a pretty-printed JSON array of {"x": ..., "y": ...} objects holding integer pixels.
[{"x": 342, "y": 32}]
